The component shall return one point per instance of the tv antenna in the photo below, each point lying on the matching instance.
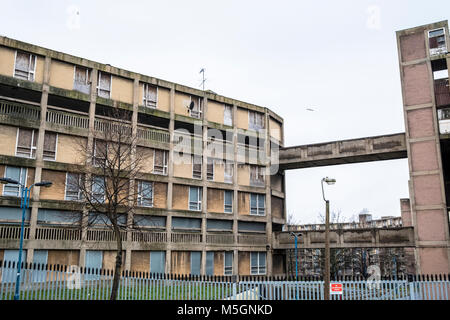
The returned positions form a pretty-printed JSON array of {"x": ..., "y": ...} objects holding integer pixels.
[{"x": 202, "y": 71}]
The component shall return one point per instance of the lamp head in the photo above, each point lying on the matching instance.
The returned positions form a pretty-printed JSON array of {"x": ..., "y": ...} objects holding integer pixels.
[
  {"x": 329, "y": 181},
  {"x": 44, "y": 184},
  {"x": 8, "y": 180}
]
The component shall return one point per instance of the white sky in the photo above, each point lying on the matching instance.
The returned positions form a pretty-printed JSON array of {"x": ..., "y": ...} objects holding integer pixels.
[{"x": 337, "y": 57}]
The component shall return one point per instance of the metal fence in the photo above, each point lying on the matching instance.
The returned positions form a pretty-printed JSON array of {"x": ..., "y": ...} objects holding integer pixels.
[{"x": 59, "y": 282}]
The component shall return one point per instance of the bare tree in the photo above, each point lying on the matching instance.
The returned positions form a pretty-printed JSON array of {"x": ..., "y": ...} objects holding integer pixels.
[{"x": 108, "y": 182}]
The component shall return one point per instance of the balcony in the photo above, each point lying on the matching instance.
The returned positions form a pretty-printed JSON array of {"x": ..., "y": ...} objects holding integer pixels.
[
  {"x": 189, "y": 143},
  {"x": 252, "y": 239},
  {"x": 16, "y": 113},
  {"x": 220, "y": 238}
]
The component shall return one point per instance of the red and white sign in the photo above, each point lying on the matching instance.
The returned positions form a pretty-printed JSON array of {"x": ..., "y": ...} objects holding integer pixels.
[{"x": 335, "y": 288}]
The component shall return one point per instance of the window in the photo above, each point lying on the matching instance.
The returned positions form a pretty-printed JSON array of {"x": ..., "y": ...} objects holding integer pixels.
[
  {"x": 228, "y": 115},
  {"x": 73, "y": 183},
  {"x": 196, "y": 260},
  {"x": 437, "y": 41},
  {"x": 228, "y": 174},
  {"x": 195, "y": 107},
  {"x": 228, "y": 201},
  {"x": 18, "y": 174},
  {"x": 210, "y": 169},
  {"x": 145, "y": 194},
  {"x": 157, "y": 261},
  {"x": 25, "y": 66},
  {"x": 196, "y": 167},
  {"x": 195, "y": 198},
  {"x": 150, "y": 96},
  {"x": 209, "y": 263},
  {"x": 50, "y": 139},
  {"x": 257, "y": 262},
  {"x": 228, "y": 263},
  {"x": 104, "y": 85},
  {"x": 257, "y": 176},
  {"x": 255, "y": 120},
  {"x": 98, "y": 189},
  {"x": 100, "y": 153},
  {"x": 257, "y": 204},
  {"x": 27, "y": 141},
  {"x": 160, "y": 162},
  {"x": 82, "y": 79}
]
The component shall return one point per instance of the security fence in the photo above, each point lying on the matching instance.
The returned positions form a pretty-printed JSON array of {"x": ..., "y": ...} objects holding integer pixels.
[{"x": 60, "y": 282}]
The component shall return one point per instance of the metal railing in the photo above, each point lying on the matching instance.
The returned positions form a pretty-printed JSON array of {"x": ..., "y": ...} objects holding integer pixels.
[
  {"x": 178, "y": 237},
  {"x": 59, "y": 282},
  {"x": 19, "y": 111},
  {"x": 67, "y": 119}
]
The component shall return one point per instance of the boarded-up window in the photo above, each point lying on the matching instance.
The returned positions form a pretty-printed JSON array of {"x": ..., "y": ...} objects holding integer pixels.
[
  {"x": 82, "y": 79},
  {"x": 48, "y": 216},
  {"x": 73, "y": 183},
  {"x": 228, "y": 201},
  {"x": 149, "y": 221},
  {"x": 209, "y": 263},
  {"x": 186, "y": 223},
  {"x": 257, "y": 204},
  {"x": 157, "y": 261},
  {"x": 100, "y": 153},
  {"x": 257, "y": 262},
  {"x": 256, "y": 120},
  {"x": 18, "y": 174},
  {"x": 228, "y": 174},
  {"x": 210, "y": 169},
  {"x": 145, "y": 194},
  {"x": 160, "y": 162},
  {"x": 150, "y": 96},
  {"x": 26, "y": 143},
  {"x": 104, "y": 85},
  {"x": 257, "y": 176},
  {"x": 196, "y": 167},
  {"x": 228, "y": 115},
  {"x": 93, "y": 260},
  {"x": 196, "y": 259},
  {"x": 50, "y": 146},
  {"x": 228, "y": 264},
  {"x": 195, "y": 198},
  {"x": 437, "y": 41},
  {"x": 25, "y": 66},
  {"x": 222, "y": 225}
]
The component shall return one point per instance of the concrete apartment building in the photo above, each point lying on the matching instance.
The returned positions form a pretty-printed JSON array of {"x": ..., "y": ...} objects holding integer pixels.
[{"x": 213, "y": 215}]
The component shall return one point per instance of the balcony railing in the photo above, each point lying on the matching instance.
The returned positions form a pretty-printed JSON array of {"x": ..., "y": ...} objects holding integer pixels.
[
  {"x": 186, "y": 237},
  {"x": 103, "y": 235},
  {"x": 252, "y": 239},
  {"x": 151, "y": 237},
  {"x": 220, "y": 238},
  {"x": 56, "y": 233},
  {"x": 67, "y": 119},
  {"x": 18, "y": 111},
  {"x": 13, "y": 232},
  {"x": 189, "y": 142}
]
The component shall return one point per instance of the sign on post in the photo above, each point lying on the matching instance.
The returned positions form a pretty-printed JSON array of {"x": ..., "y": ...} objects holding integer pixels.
[{"x": 335, "y": 288}]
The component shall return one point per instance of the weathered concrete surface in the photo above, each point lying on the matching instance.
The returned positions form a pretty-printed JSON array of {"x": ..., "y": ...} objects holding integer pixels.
[
  {"x": 354, "y": 238},
  {"x": 375, "y": 148}
]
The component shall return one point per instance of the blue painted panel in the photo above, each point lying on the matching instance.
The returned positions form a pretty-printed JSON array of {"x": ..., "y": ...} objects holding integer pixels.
[
  {"x": 40, "y": 256},
  {"x": 10, "y": 274},
  {"x": 210, "y": 263},
  {"x": 196, "y": 260},
  {"x": 94, "y": 259},
  {"x": 157, "y": 261},
  {"x": 10, "y": 213}
]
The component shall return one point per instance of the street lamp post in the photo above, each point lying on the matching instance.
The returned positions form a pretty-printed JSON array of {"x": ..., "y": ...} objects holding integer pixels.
[
  {"x": 296, "y": 235},
  {"x": 327, "y": 240},
  {"x": 24, "y": 204}
]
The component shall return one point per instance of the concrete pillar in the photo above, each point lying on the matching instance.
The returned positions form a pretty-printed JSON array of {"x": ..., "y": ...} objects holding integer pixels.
[
  {"x": 267, "y": 162},
  {"x": 428, "y": 205},
  {"x": 204, "y": 183},
  {"x": 170, "y": 182}
]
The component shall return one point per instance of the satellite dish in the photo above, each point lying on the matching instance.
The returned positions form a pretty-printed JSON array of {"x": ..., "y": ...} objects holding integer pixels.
[{"x": 191, "y": 105}]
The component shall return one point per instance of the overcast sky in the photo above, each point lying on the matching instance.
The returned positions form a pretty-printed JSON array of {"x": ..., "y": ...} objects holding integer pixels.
[{"x": 338, "y": 58}]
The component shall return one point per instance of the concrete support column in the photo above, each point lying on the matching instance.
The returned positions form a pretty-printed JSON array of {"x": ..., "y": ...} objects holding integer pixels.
[
  {"x": 204, "y": 183},
  {"x": 170, "y": 182},
  {"x": 35, "y": 192},
  {"x": 267, "y": 163},
  {"x": 235, "y": 194},
  {"x": 90, "y": 145}
]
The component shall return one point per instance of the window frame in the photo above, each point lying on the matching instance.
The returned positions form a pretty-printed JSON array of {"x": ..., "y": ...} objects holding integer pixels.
[
  {"x": 56, "y": 148},
  {"x": 259, "y": 173},
  {"x": 258, "y": 208},
  {"x": 199, "y": 107},
  {"x": 80, "y": 195},
  {"x": 98, "y": 85},
  {"x": 145, "y": 101},
  {"x": 225, "y": 175},
  {"x": 88, "y": 78},
  {"x": 225, "y": 203},
  {"x": 227, "y": 270},
  {"x": 140, "y": 197},
  {"x": 210, "y": 175},
  {"x": 199, "y": 199},
  {"x": 225, "y": 122},
  {"x": 18, "y": 186},
  {"x": 259, "y": 269},
  {"x": 165, "y": 161},
  {"x": 32, "y": 142},
  {"x": 93, "y": 195},
  {"x": 438, "y": 50},
  {"x": 199, "y": 177},
  {"x": 253, "y": 125},
  {"x": 29, "y": 72}
]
